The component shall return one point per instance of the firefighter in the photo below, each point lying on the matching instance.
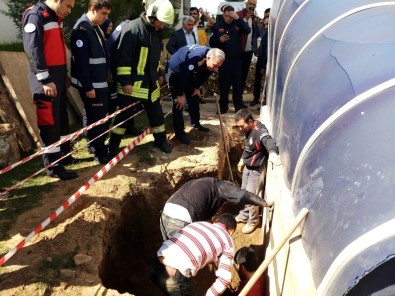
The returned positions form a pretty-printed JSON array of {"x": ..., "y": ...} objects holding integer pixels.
[
  {"x": 137, "y": 65},
  {"x": 90, "y": 66},
  {"x": 43, "y": 41}
]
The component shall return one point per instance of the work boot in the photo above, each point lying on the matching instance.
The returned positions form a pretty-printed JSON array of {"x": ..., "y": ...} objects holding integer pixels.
[
  {"x": 240, "y": 220},
  {"x": 113, "y": 145},
  {"x": 102, "y": 159},
  {"x": 183, "y": 139},
  {"x": 250, "y": 227},
  {"x": 161, "y": 142},
  {"x": 163, "y": 146},
  {"x": 201, "y": 128},
  {"x": 69, "y": 160},
  {"x": 62, "y": 174}
]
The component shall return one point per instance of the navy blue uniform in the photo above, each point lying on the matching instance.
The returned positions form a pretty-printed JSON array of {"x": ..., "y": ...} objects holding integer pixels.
[
  {"x": 230, "y": 72},
  {"x": 43, "y": 41},
  {"x": 90, "y": 65},
  {"x": 188, "y": 71}
]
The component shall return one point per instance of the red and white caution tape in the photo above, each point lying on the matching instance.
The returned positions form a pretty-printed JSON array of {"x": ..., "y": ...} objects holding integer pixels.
[
  {"x": 104, "y": 170},
  {"x": 67, "y": 138},
  {"x": 64, "y": 156}
]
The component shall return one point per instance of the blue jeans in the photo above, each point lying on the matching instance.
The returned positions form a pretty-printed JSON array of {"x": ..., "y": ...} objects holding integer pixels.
[
  {"x": 177, "y": 285},
  {"x": 250, "y": 179},
  {"x": 169, "y": 226}
]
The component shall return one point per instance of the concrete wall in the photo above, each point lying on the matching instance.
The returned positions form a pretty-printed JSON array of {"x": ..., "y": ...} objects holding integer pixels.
[{"x": 8, "y": 30}]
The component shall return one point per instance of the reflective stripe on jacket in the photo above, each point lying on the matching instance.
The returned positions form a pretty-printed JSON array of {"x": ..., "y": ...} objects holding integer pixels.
[
  {"x": 90, "y": 62},
  {"x": 140, "y": 69}
]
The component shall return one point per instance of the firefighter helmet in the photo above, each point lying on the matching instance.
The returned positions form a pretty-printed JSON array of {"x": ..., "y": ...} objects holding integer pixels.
[{"x": 162, "y": 10}]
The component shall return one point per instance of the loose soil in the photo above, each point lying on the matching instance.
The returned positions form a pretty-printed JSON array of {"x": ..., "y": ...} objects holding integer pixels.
[{"x": 116, "y": 222}]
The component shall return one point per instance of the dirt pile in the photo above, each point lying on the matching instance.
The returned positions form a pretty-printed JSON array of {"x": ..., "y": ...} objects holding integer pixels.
[{"x": 114, "y": 226}]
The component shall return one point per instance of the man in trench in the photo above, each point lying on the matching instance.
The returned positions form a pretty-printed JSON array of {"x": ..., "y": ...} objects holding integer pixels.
[{"x": 200, "y": 200}]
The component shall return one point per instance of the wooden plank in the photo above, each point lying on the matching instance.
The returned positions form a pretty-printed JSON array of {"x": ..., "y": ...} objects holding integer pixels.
[{"x": 12, "y": 112}]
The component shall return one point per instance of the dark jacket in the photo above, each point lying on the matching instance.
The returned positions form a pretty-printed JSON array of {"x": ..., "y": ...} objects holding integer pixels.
[
  {"x": 176, "y": 41},
  {"x": 188, "y": 65},
  {"x": 235, "y": 29},
  {"x": 90, "y": 61},
  {"x": 43, "y": 41},
  {"x": 257, "y": 144},
  {"x": 137, "y": 59},
  {"x": 255, "y": 32},
  {"x": 203, "y": 197}
]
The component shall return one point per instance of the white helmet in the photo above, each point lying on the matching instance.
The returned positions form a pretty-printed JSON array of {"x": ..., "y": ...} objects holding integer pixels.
[{"x": 162, "y": 10}]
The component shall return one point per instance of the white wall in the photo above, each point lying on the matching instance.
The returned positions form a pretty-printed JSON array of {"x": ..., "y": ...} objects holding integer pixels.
[{"x": 8, "y": 31}]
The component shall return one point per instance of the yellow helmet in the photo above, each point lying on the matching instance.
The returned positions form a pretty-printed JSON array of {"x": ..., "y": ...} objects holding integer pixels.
[{"x": 162, "y": 10}]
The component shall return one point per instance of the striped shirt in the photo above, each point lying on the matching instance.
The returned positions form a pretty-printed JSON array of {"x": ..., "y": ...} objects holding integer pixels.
[{"x": 196, "y": 245}]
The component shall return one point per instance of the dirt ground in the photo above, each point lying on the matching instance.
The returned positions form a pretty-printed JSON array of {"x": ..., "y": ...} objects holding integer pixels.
[{"x": 113, "y": 228}]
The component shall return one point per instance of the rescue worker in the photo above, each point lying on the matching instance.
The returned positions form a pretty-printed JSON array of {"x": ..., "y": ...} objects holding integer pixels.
[
  {"x": 227, "y": 36},
  {"x": 90, "y": 65},
  {"x": 137, "y": 64},
  {"x": 112, "y": 44},
  {"x": 258, "y": 145},
  {"x": 200, "y": 200},
  {"x": 189, "y": 68},
  {"x": 44, "y": 44}
]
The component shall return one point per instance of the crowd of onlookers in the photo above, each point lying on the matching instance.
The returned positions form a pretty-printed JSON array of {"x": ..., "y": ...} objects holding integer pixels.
[{"x": 120, "y": 68}]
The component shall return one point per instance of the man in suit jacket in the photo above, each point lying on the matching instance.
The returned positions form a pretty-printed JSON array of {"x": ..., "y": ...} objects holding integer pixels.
[{"x": 183, "y": 36}]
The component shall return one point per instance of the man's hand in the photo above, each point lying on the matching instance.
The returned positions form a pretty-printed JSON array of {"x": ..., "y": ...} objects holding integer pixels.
[
  {"x": 127, "y": 89},
  {"x": 240, "y": 165},
  {"x": 180, "y": 102},
  {"x": 68, "y": 82},
  {"x": 196, "y": 92},
  {"x": 224, "y": 38},
  {"x": 234, "y": 15},
  {"x": 273, "y": 160},
  {"x": 91, "y": 94},
  {"x": 50, "y": 89},
  {"x": 161, "y": 79}
]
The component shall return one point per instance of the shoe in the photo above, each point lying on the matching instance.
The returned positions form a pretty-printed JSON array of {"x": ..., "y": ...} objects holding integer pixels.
[
  {"x": 163, "y": 146},
  {"x": 183, "y": 139},
  {"x": 102, "y": 159},
  {"x": 241, "y": 107},
  {"x": 133, "y": 132},
  {"x": 253, "y": 103},
  {"x": 69, "y": 160},
  {"x": 201, "y": 101},
  {"x": 240, "y": 220},
  {"x": 223, "y": 111},
  {"x": 201, "y": 128},
  {"x": 250, "y": 227},
  {"x": 63, "y": 175}
]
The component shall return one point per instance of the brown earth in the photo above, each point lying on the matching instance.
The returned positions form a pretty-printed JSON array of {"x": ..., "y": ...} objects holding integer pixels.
[{"x": 115, "y": 222}]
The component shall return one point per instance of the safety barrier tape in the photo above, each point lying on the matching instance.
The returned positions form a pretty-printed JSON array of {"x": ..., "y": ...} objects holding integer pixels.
[
  {"x": 65, "y": 139},
  {"x": 60, "y": 159},
  {"x": 104, "y": 170}
]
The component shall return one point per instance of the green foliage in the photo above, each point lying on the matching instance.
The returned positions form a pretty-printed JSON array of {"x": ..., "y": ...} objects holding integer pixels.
[
  {"x": 122, "y": 9},
  {"x": 13, "y": 46}
]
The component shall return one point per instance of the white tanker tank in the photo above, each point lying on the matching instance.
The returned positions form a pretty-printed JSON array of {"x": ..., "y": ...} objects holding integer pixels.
[{"x": 330, "y": 107}]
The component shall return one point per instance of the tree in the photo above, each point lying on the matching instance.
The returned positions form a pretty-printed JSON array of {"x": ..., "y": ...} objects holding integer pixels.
[{"x": 121, "y": 9}]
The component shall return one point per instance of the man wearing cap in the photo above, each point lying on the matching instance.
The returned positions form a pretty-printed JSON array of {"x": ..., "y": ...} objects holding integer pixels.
[{"x": 137, "y": 70}]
